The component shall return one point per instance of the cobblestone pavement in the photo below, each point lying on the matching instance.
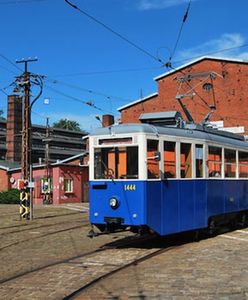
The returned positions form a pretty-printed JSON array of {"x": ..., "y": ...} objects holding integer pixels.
[
  {"x": 215, "y": 268},
  {"x": 29, "y": 245}
]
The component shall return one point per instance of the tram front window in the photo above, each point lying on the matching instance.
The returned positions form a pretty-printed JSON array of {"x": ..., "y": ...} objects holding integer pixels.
[{"x": 116, "y": 163}]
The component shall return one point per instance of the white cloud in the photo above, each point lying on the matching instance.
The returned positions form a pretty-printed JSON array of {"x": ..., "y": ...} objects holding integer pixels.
[
  {"x": 215, "y": 47},
  {"x": 159, "y": 4}
]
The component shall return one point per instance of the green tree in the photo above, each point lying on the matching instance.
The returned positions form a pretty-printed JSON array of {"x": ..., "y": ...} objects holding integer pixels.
[
  {"x": 67, "y": 124},
  {"x": 1, "y": 115}
]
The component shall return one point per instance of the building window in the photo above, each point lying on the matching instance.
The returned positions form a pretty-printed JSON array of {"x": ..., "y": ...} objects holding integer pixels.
[
  {"x": 199, "y": 161},
  {"x": 243, "y": 164},
  {"x": 46, "y": 185},
  {"x": 230, "y": 163},
  {"x": 186, "y": 160},
  {"x": 169, "y": 160},
  {"x": 214, "y": 161},
  {"x": 68, "y": 185},
  {"x": 152, "y": 162}
]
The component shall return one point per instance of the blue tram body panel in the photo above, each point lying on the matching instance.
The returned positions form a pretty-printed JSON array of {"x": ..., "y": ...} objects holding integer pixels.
[
  {"x": 167, "y": 206},
  {"x": 131, "y": 197},
  {"x": 179, "y": 205},
  {"x": 243, "y": 198}
]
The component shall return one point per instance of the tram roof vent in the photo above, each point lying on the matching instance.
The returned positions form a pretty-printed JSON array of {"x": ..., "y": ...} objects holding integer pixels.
[{"x": 168, "y": 118}]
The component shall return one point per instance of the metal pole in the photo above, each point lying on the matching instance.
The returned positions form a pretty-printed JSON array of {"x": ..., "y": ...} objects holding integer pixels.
[{"x": 31, "y": 193}]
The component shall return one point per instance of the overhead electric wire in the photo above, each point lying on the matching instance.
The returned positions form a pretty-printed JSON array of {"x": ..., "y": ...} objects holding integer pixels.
[
  {"x": 113, "y": 31},
  {"x": 10, "y": 62},
  {"x": 106, "y": 72},
  {"x": 180, "y": 32},
  {"x": 212, "y": 52},
  {"x": 87, "y": 103},
  {"x": 152, "y": 68},
  {"x": 8, "y": 70},
  {"x": 55, "y": 81},
  {"x": 3, "y": 91},
  {"x": 4, "y": 88}
]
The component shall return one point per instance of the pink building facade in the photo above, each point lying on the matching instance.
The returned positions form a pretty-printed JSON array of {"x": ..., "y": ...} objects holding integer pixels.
[{"x": 67, "y": 179}]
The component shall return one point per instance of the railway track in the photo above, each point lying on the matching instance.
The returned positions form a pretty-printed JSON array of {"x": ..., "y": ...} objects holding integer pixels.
[
  {"x": 34, "y": 227},
  {"x": 38, "y": 218},
  {"x": 86, "y": 270},
  {"x": 120, "y": 268},
  {"x": 114, "y": 245},
  {"x": 44, "y": 235}
]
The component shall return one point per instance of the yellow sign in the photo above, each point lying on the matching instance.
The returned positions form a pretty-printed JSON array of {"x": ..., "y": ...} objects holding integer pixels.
[
  {"x": 24, "y": 205},
  {"x": 130, "y": 187}
]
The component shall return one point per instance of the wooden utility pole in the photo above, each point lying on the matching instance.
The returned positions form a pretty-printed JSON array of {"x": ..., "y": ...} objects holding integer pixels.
[{"x": 26, "y": 209}]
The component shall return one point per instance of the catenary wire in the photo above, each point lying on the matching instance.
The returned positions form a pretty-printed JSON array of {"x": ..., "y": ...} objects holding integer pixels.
[
  {"x": 147, "y": 68},
  {"x": 180, "y": 31},
  {"x": 10, "y": 62},
  {"x": 90, "y": 91},
  {"x": 87, "y": 103},
  {"x": 209, "y": 53},
  {"x": 107, "y": 72},
  {"x": 114, "y": 32}
]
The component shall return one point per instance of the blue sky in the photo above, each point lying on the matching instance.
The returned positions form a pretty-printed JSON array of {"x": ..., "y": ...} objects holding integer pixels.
[{"x": 84, "y": 61}]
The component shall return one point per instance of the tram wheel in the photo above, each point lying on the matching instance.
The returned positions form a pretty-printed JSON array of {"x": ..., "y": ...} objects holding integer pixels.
[
  {"x": 212, "y": 227},
  {"x": 243, "y": 220}
]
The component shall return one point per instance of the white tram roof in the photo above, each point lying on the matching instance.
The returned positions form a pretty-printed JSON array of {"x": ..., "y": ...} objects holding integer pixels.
[{"x": 191, "y": 131}]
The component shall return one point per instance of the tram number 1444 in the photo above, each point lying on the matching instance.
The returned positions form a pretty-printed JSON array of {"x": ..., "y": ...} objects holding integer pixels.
[{"x": 130, "y": 187}]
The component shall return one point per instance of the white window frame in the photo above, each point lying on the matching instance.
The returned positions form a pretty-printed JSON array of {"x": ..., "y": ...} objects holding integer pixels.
[
  {"x": 69, "y": 180},
  {"x": 50, "y": 186}
]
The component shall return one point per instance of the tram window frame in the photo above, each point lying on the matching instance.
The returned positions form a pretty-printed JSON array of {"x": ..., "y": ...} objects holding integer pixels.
[
  {"x": 186, "y": 166},
  {"x": 243, "y": 174},
  {"x": 153, "y": 168},
  {"x": 216, "y": 151},
  {"x": 199, "y": 161},
  {"x": 106, "y": 169},
  {"x": 170, "y": 165},
  {"x": 230, "y": 163}
]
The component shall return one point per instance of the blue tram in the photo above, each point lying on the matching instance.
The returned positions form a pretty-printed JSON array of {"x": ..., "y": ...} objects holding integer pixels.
[{"x": 167, "y": 176}]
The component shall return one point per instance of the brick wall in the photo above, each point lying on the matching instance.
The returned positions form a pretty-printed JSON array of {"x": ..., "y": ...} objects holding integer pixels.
[
  {"x": 13, "y": 129},
  {"x": 230, "y": 93},
  {"x": 4, "y": 180}
]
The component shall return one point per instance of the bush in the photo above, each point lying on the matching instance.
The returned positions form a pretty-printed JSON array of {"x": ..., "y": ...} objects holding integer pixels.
[{"x": 11, "y": 196}]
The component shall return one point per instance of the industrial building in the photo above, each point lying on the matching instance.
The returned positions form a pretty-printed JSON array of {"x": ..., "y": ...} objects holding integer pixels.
[{"x": 203, "y": 85}]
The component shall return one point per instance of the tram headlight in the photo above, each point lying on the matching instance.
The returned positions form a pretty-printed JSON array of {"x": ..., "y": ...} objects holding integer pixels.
[{"x": 114, "y": 203}]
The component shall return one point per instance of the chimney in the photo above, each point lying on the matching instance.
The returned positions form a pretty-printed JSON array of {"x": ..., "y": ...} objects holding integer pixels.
[
  {"x": 107, "y": 120},
  {"x": 14, "y": 128}
]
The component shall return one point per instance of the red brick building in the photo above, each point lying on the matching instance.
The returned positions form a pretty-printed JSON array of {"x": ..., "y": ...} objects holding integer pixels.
[
  {"x": 205, "y": 82},
  {"x": 68, "y": 179}
]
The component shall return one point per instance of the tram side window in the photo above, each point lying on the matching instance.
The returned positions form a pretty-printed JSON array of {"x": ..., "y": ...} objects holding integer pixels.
[
  {"x": 243, "y": 164},
  {"x": 199, "y": 161},
  {"x": 132, "y": 163},
  {"x": 230, "y": 163},
  {"x": 186, "y": 160},
  {"x": 169, "y": 159},
  {"x": 152, "y": 164},
  {"x": 214, "y": 161},
  {"x": 116, "y": 163}
]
